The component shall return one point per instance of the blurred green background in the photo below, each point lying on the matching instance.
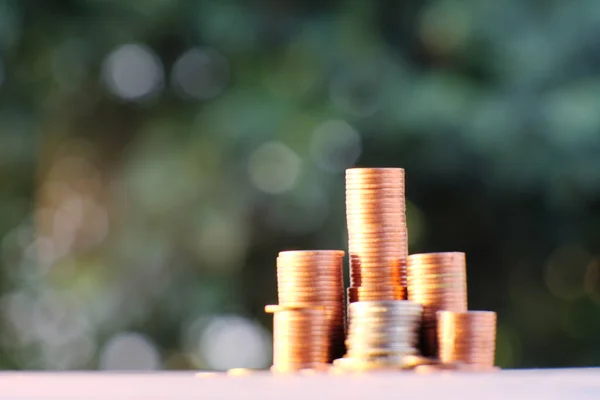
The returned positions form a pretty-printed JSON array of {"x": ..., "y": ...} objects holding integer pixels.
[{"x": 155, "y": 155}]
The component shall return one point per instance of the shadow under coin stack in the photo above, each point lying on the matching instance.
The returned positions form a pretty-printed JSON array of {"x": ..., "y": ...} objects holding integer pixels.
[
  {"x": 381, "y": 334},
  {"x": 438, "y": 281},
  {"x": 299, "y": 338},
  {"x": 314, "y": 278},
  {"x": 377, "y": 235},
  {"x": 467, "y": 338}
]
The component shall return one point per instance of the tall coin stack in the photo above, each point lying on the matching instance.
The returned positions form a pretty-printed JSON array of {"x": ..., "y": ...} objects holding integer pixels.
[
  {"x": 438, "y": 281},
  {"x": 377, "y": 235},
  {"x": 315, "y": 278},
  {"x": 299, "y": 338},
  {"x": 381, "y": 332},
  {"x": 467, "y": 337}
]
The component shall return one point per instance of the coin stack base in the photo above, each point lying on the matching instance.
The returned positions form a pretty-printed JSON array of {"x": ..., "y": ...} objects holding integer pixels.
[
  {"x": 385, "y": 362},
  {"x": 381, "y": 335}
]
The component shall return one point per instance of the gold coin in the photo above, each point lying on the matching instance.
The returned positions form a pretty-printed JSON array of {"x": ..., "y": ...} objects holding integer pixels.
[
  {"x": 294, "y": 283},
  {"x": 374, "y": 251},
  {"x": 283, "y": 263},
  {"x": 356, "y": 188},
  {"x": 365, "y": 173},
  {"x": 376, "y": 243},
  {"x": 305, "y": 260},
  {"x": 325, "y": 281},
  {"x": 436, "y": 258},
  {"x": 456, "y": 281},
  {"x": 374, "y": 182},
  {"x": 389, "y": 239},
  {"x": 375, "y": 225},
  {"x": 388, "y": 177},
  {"x": 374, "y": 188},
  {"x": 299, "y": 307},
  {"x": 381, "y": 199},
  {"x": 378, "y": 171},
  {"x": 362, "y": 202},
  {"x": 379, "y": 216},
  {"x": 325, "y": 291},
  {"x": 437, "y": 270},
  {"x": 308, "y": 272},
  {"x": 310, "y": 267},
  {"x": 370, "y": 184},
  {"x": 312, "y": 253},
  {"x": 467, "y": 337}
]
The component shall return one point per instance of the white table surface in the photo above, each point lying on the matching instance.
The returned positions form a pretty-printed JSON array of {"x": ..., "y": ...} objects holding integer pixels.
[{"x": 570, "y": 384}]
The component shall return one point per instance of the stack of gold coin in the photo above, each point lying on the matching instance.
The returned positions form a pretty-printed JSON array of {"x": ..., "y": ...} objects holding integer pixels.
[
  {"x": 438, "y": 281},
  {"x": 315, "y": 278},
  {"x": 382, "y": 330},
  {"x": 467, "y": 337},
  {"x": 299, "y": 338},
  {"x": 377, "y": 235}
]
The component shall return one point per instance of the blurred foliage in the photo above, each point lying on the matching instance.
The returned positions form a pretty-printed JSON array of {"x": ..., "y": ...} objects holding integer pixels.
[{"x": 156, "y": 155}]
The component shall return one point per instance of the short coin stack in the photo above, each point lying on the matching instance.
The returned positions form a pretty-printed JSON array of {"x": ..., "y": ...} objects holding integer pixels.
[
  {"x": 438, "y": 281},
  {"x": 381, "y": 333},
  {"x": 377, "y": 235},
  {"x": 299, "y": 338},
  {"x": 467, "y": 337},
  {"x": 315, "y": 278}
]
